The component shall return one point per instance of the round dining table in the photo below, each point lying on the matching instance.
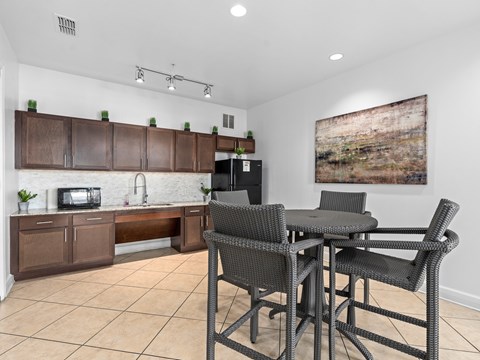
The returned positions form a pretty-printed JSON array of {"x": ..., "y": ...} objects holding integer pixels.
[{"x": 315, "y": 223}]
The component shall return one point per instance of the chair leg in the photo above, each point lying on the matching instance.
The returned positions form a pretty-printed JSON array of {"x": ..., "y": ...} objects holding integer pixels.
[
  {"x": 254, "y": 294},
  {"x": 366, "y": 281},
  {"x": 212, "y": 299},
  {"x": 319, "y": 296},
  {"x": 331, "y": 305},
  {"x": 433, "y": 311},
  {"x": 351, "y": 293}
]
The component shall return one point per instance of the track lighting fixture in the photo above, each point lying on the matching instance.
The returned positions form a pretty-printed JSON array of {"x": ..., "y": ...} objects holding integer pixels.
[
  {"x": 171, "y": 79},
  {"x": 207, "y": 92},
  {"x": 139, "y": 75}
]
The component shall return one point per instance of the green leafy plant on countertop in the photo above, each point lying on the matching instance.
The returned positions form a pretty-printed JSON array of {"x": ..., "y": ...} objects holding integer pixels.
[
  {"x": 249, "y": 134},
  {"x": 239, "y": 151},
  {"x": 153, "y": 121},
  {"x": 104, "y": 114},
  {"x": 32, "y": 104},
  {"x": 215, "y": 130},
  {"x": 24, "y": 196},
  {"x": 186, "y": 126},
  {"x": 205, "y": 190}
]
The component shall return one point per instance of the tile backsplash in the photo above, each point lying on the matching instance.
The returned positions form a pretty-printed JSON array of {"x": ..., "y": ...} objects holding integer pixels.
[{"x": 115, "y": 185}]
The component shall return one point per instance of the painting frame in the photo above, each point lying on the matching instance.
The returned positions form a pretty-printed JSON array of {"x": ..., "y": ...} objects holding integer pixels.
[{"x": 385, "y": 144}]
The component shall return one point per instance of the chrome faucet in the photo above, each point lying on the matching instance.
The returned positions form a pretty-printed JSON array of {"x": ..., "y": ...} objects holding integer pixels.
[{"x": 135, "y": 186}]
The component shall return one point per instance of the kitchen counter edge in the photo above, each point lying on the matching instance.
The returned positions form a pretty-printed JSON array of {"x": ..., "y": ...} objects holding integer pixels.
[{"x": 35, "y": 212}]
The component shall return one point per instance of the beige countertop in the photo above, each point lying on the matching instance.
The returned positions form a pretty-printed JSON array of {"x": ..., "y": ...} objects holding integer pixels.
[{"x": 34, "y": 212}]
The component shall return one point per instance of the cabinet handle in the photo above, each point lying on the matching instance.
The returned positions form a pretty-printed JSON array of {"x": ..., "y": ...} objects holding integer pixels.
[
  {"x": 206, "y": 221},
  {"x": 146, "y": 163},
  {"x": 141, "y": 164},
  {"x": 94, "y": 219},
  {"x": 64, "y": 160},
  {"x": 65, "y": 235},
  {"x": 74, "y": 234},
  {"x": 73, "y": 160},
  {"x": 201, "y": 222},
  {"x": 44, "y": 222},
  {"x": 199, "y": 166},
  {"x": 193, "y": 211}
]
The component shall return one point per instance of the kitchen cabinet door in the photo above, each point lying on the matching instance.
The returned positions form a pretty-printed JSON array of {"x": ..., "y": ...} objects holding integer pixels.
[
  {"x": 128, "y": 147},
  {"x": 248, "y": 144},
  {"x": 91, "y": 145},
  {"x": 226, "y": 143},
  {"x": 206, "y": 153},
  {"x": 160, "y": 149},
  {"x": 194, "y": 225},
  {"x": 41, "y": 141},
  {"x": 40, "y": 249},
  {"x": 93, "y": 243},
  {"x": 185, "y": 151}
]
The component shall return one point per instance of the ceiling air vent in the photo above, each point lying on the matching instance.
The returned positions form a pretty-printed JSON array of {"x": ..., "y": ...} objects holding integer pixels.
[{"x": 66, "y": 25}]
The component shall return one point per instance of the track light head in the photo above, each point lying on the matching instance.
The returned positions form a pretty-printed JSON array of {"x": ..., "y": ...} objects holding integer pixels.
[
  {"x": 139, "y": 75},
  {"x": 207, "y": 92},
  {"x": 171, "y": 83}
]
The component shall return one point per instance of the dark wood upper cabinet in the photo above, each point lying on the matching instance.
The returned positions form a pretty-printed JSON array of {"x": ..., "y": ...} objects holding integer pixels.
[
  {"x": 160, "y": 149},
  {"x": 226, "y": 143},
  {"x": 128, "y": 147},
  {"x": 206, "y": 153},
  {"x": 91, "y": 145},
  {"x": 185, "y": 151},
  {"x": 41, "y": 141},
  {"x": 248, "y": 144}
]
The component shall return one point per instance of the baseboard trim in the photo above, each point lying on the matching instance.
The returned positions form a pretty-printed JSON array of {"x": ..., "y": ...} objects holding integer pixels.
[
  {"x": 138, "y": 246},
  {"x": 457, "y": 297},
  {"x": 8, "y": 285}
]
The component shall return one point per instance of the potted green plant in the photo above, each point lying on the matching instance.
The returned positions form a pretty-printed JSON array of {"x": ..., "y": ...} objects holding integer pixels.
[
  {"x": 105, "y": 115},
  {"x": 25, "y": 197},
  {"x": 206, "y": 192},
  {"x": 215, "y": 130},
  {"x": 153, "y": 122},
  {"x": 32, "y": 105},
  {"x": 186, "y": 126},
  {"x": 239, "y": 151},
  {"x": 249, "y": 134}
]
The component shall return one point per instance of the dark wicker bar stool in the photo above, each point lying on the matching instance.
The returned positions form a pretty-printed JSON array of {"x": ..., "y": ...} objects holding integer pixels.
[
  {"x": 406, "y": 274},
  {"x": 254, "y": 250}
]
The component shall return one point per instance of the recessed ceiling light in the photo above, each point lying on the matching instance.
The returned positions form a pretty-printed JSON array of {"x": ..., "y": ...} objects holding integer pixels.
[
  {"x": 238, "y": 10},
  {"x": 335, "y": 57}
]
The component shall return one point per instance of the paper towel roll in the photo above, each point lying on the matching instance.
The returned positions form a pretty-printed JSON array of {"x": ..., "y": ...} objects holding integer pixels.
[{"x": 52, "y": 199}]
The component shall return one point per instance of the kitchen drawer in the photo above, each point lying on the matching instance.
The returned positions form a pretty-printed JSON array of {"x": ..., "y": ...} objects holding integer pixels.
[
  {"x": 194, "y": 210},
  {"x": 42, "y": 222},
  {"x": 92, "y": 218}
]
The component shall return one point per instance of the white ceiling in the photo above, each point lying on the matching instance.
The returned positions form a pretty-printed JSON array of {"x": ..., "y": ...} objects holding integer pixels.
[{"x": 280, "y": 45}]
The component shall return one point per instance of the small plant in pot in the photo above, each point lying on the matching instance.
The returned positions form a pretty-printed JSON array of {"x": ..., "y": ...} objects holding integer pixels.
[
  {"x": 186, "y": 126},
  {"x": 25, "y": 197},
  {"x": 239, "y": 151},
  {"x": 215, "y": 130},
  {"x": 105, "y": 115},
  {"x": 249, "y": 134},
  {"x": 32, "y": 105},
  {"x": 153, "y": 122},
  {"x": 206, "y": 192}
]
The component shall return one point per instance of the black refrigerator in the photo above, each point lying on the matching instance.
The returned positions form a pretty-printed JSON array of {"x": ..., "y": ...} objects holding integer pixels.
[{"x": 239, "y": 174}]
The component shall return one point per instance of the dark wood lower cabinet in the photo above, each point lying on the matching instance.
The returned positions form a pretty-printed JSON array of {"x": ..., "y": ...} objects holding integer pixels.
[
  {"x": 52, "y": 244},
  {"x": 40, "y": 249}
]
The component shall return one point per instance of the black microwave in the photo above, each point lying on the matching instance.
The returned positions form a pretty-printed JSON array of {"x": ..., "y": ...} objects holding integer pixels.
[{"x": 79, "y": 198}]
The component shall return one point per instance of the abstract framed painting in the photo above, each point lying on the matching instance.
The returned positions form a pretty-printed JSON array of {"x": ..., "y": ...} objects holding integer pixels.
[{"x": 382, "y": 145}]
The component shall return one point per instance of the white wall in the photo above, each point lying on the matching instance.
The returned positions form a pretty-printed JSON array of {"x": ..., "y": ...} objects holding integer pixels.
[
  {"x": 8, "y": 178},
  {"x": 448, "y": 71},
  {"x": 71, "y": 95}
]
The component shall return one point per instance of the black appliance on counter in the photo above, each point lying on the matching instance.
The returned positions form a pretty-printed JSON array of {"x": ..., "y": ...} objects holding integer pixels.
[
  {"x": 239, "y": 174},
  {"x": 79, "y": 198}
]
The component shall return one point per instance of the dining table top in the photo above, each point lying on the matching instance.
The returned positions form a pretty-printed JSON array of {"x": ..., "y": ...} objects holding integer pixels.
[{"x": 318, "y": 221}]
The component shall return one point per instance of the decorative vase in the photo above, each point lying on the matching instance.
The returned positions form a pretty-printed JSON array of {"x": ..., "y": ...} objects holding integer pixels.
[
  {"x": 249, "y": 137},
  {"x": 153, "y": 125},
  {"x": 205, "y": 198},
  {"x": 23, "y": 206},
  {"x": 186, "y": 129},
  {"x": 105, "y": 119},
  {"x": 32, "y": 110},
  {"x": 215, "y": 133}
]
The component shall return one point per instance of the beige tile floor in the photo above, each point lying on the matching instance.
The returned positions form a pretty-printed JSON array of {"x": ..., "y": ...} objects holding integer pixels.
[{"x": 152, "y": 305}]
